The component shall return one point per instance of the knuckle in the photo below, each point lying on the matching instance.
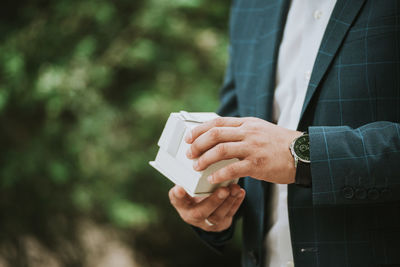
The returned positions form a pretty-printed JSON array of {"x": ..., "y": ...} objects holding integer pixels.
[
  {"x": 242, "y": 131},
  {"x": 258, "y": 162},
  {"x": 254, "y": 119},
  {"x": 231, "y": 171},
  {"x": 221, "y": 150},
  {"x": 257, "y": 143},
  {"x": 247, "y": 120},
  {"x": 219, "y": 121},
  {"x": 215, "y": 133},
  {"x": 252, "y": 122}
]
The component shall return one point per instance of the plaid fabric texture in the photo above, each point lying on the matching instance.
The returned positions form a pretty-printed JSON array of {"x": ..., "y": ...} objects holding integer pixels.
[{"x": 351, "y": 215}]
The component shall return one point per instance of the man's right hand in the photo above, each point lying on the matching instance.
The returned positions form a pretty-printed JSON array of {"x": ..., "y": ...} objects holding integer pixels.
[{"x": 218, "y": 208}]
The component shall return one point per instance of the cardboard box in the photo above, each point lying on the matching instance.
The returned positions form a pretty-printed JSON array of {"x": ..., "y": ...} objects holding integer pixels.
[{"x": 171, "y": 158}]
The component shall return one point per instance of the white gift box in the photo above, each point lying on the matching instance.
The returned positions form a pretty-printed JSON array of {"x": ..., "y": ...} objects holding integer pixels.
[{"x": 171, "y": 158}]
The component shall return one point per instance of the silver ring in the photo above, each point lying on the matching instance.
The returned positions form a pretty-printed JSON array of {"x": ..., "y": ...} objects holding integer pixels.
[{"x": 208, "y": 222}]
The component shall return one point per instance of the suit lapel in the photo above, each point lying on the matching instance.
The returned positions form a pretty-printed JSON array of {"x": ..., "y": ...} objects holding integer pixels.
[{"x": 342, "y": 17}]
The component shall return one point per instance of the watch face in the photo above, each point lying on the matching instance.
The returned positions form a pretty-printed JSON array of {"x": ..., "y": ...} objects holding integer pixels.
[{"x": 302, "y": 148}]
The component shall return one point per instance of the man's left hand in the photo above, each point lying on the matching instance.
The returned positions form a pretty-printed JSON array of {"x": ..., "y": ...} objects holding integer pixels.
[{"x": 261, "y": 147}]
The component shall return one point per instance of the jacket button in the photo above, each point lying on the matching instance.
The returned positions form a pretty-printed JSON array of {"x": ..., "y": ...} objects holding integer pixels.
[
  {"x": 348, "y": 192},
  {"x": 253, "y": 257},
  {"x": 361, "y": 193},
  {"x": 373, "y": 194}
]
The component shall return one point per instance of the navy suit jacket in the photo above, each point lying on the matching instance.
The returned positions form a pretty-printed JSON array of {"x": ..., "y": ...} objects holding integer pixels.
[{"x": 350, "y": 217}]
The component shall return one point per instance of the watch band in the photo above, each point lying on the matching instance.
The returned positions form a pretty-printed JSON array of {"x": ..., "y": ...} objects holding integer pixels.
[
  {"x": 303, "y": 174},
  {"x": 303, "y": 168}
]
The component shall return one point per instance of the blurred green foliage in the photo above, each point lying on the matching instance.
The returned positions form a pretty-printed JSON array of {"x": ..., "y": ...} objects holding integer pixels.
[{"x": 85, "y": 89}]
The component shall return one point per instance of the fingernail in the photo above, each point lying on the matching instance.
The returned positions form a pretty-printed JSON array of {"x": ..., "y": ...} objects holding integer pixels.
[
  {"x": 222, "y": 194},
  {"x": 210, "y": 179},
  {"x": 188, "y": 137},
  {"x": 189, "y": 153},
  {"x": 235, "y": 193},
  {"x": 195, "y": 165}
]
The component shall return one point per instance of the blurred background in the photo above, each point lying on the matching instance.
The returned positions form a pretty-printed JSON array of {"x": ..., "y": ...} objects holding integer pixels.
[{"x": 86, "y": 87}]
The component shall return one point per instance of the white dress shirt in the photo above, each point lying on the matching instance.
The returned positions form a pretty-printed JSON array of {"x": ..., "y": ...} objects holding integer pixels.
[{"x": 304, "y": 29}]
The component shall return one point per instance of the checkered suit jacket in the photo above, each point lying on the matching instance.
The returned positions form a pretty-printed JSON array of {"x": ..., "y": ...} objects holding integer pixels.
[{"x": 351, "y": 215}]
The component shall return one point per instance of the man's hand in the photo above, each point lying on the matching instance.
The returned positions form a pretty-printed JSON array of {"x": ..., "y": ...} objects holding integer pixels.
[
  {"x": 261, "y": 147},
  {"x": 218, "y": 208}
]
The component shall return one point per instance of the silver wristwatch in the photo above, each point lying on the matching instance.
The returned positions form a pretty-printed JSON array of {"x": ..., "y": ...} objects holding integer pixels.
[{"x": 300, "y": 149}]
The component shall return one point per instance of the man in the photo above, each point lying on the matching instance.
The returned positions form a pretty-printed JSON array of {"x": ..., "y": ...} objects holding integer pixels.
[{"x": 343, "y": 207}]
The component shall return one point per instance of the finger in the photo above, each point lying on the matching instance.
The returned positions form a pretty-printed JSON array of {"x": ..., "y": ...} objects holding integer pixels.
[
  {"x": 218, "y": 122},
  {"x": 236, "y": 205},
  {"x": 213, "y": 137},
  {"x": 202, "y": 210},
  {"x": 179, "y": 198},
  {"x": 222, "y": 151},
  {"x": 231, "y": 172},
  {"x": 220, "y": 213}
]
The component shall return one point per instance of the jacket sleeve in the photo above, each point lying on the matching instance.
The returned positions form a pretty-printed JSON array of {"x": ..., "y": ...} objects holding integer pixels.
[
  {"x": 217, "y": 240},
  {"x": 355, "y": 166}
]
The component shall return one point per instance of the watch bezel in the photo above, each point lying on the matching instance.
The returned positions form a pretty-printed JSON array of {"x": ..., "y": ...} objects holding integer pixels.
[{"x": 295, "y": 155}]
